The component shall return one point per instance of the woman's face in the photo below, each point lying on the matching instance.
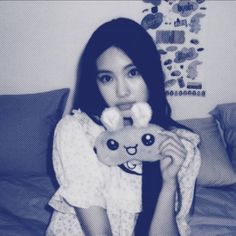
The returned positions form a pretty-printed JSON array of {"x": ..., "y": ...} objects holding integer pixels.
[{"x": 119, "y": 81}]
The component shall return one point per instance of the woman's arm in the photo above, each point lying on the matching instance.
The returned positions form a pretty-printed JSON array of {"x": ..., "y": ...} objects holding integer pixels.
[
  {"x": 173, "y": 155},
  {"x": 163, "y": 222},
  {"x": 94, "y": 221},
  {"x": 79, "y": 176}
]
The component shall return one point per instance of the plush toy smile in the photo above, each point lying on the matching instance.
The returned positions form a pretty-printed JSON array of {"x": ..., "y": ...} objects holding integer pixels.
[{"x": 131, "y": 150}]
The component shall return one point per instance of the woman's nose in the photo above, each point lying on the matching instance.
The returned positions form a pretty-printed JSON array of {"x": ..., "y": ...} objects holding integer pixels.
[{"x": 122, "y": 89}]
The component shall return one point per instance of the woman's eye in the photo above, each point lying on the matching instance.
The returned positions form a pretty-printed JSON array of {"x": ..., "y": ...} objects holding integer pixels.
[
  {"x": 133, "y": 72},
  {"x": 105, "y": 78}
]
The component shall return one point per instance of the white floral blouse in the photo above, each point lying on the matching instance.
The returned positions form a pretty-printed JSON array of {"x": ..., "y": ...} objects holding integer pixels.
[{"x": 85, "y": 182}]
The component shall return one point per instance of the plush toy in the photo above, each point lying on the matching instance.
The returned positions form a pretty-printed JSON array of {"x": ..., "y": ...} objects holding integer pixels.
[
  {"x": 131, "y": 145},
  {"x": 134, "y": 143}
]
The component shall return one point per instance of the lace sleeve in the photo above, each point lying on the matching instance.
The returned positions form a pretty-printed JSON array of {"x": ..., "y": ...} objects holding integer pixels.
[
  {"x": 187, "y": 177},
  {"x": 77, "y": 169}
]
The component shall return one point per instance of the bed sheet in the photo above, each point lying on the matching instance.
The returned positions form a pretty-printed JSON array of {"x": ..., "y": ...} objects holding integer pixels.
[
  {"x": 23, "y": 205},
  {"x": 24, "y": 209},
  {"x": 214, "y": 212}
]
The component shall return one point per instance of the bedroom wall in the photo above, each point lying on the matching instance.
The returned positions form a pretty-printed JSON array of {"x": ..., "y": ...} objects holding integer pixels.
[{"x": 41, "y": 43}]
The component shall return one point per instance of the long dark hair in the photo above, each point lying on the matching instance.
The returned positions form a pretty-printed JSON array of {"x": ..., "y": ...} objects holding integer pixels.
[{"x": 133, "y": 39}]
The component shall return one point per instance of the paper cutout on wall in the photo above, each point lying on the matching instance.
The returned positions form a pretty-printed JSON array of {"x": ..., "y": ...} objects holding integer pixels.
[
  {"x": 170, "y": 36},
  {"x": 154, "y": 2},
  {"x": 176, "y": 27},
  {"x": 194, "y": 24},
  {"x": 185, "y": 8},
  {"x": 171, "y": 48},
  {"x": 192, "y": 69},
  {"x": 185, "y": 54},
  {"x": 152, "y": 21}
]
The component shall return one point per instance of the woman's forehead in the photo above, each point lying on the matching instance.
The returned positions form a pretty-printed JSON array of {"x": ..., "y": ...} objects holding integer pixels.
[{"x": 113, "y": 56}]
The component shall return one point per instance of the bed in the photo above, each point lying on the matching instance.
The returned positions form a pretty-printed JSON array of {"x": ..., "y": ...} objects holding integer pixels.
[
  {"x": 23, "y": 205},
  {"x": 27, "y": 180},
  {"x": 214, "y": 211}
]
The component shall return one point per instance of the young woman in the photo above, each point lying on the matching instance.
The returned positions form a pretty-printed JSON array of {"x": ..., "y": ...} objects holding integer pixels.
[{"x": 120, "y": 66}]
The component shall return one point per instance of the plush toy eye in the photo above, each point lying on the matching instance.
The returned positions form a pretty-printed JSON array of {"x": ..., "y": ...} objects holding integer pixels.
[
  {"x": 148, "y": 139},
  {"x": 112, "y": 144},
  {"x": 95, "y": 150}
]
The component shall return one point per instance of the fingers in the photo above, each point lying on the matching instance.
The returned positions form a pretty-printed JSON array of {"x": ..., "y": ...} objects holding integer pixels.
[
  {"x": 176, "y": 158},
  {"x": 174, "y": 142},
  {"x": 170, "y": 143},
  {"x": 173, "y": 149},
  {"x": 173, "y": 136},
  {"x": 173, "y": 155}
]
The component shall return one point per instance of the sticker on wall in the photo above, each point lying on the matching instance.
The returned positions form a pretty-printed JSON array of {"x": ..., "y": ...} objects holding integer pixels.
[
  {"x": 180, "y": 22},
  {"x": 170, "y": 1},
  {"x": 152, "y": 21},
  {"x": 194, "y": 41},
  {"x": 181, "y": 82},
  {"x": 154, "y": 10},
  {"x": 185, "y": 8},
  {"x": 194, "y": 24},
  {"x": 185, "y": 92},
  {"x": 170, "y": 82},
  {"x": 154, "y": 2},
  {"x": 192, "y": 69},
  {"x": 171, "y": 48},
  {"x": 200, "y": 1},
  {"x": 170, "y": 36},
  {"x": 176, "y": 27},
  {"x": 185, "y": 54}
]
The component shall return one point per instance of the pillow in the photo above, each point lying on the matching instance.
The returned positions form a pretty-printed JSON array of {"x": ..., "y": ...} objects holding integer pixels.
[
  {"x": 226, "y": 115},
  {"x": 216, "y": 169},
  {"x": 27, "y": 124}
]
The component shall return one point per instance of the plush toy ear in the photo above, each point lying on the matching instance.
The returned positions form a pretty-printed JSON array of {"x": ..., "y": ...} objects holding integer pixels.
[
  {"x": 141, "y": 114},
  {"x": 112, "y": 119}
]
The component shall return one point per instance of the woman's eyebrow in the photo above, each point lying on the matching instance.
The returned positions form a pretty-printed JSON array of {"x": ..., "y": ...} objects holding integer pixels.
[
  {"x": 103, "y": 71},
  {"x": 129, "y": 65}
]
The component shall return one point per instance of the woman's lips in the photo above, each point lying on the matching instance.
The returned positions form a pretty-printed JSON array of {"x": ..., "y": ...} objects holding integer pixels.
[{"x": 125, "y": 106}]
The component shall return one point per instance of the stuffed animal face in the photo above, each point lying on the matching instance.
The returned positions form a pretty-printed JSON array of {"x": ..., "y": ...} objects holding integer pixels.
[
  {"x": 139, "y": 142},
  {"x": 128, "y": 144}
]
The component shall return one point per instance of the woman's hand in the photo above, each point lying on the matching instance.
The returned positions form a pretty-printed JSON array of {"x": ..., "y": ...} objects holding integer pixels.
[{"x": 173, "y": 155}]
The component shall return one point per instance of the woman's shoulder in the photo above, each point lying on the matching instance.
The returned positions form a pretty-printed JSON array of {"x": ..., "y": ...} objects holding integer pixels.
[
  {"x": 77, "y": 117},
  {"x": 78, "y": 121}
]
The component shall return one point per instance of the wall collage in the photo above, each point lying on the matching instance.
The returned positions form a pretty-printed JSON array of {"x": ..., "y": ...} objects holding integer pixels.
[{"x": 176, "y": 26}]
